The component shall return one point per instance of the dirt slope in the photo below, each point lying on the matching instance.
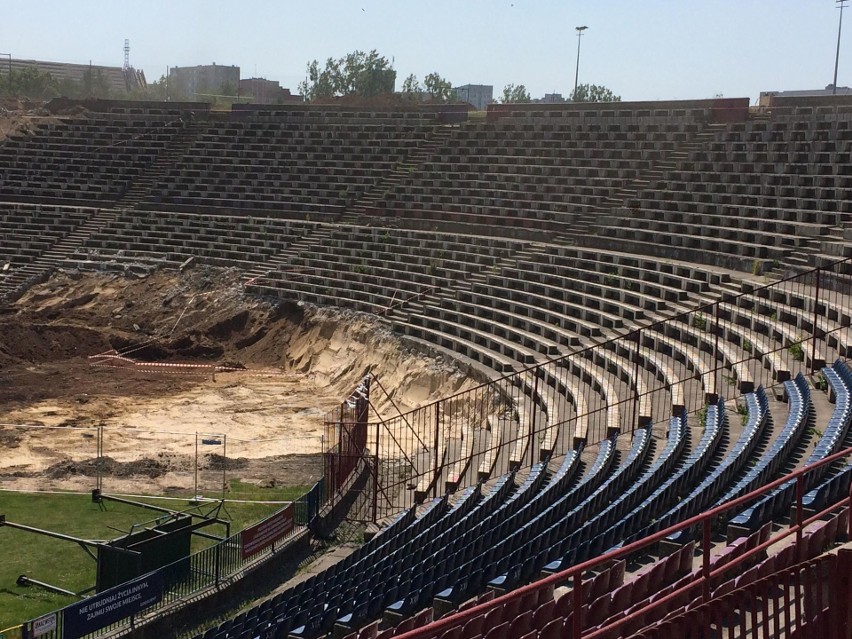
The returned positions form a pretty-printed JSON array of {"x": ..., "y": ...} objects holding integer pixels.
[{"x": 291, "y": 365}]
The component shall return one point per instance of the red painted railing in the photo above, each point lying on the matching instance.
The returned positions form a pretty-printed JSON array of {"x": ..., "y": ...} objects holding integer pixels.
[{"x": 574, "y": 575}]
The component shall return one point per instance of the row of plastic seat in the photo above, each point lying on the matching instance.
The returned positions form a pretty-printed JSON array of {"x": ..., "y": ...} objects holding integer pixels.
[
  {"x": 669, "y": 491},
  {"x": 772, "y": 460},
  {"x": 706, "y": 491},
  {"x": 838, "y": 435}
]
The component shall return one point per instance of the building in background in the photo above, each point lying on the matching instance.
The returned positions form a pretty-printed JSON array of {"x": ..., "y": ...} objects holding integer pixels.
[
  {"x": 205, "y": 80},
  {"x": 263, "y": 91},
  {"x": 479, "y": 95},
  {"x": 551, "y": 98},
  {"x": 119, "y": 81},
  {"x": 765, "y": 98}
]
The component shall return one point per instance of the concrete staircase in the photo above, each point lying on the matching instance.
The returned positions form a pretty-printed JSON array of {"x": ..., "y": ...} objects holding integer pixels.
[
  {"x": 586, "y": 223},
  {"x": 40, "y": 269},
  {"x": 376, "y": 194},
  {"x": 143, "y": 185},
  {"x": 320, "y": 234},
  {"x": 400, "y": 311}
]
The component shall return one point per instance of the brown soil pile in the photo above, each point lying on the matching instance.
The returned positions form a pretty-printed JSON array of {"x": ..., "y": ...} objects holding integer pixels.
[
  {"x": 263, "y": 422},
  {"x": 20, "y": 115}
]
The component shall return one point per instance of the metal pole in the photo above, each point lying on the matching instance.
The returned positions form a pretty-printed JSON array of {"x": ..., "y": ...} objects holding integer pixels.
[
  {"x": 800, "y": 491},
  {"x": 816, "y": 319},
  {"x": 376, "y": 476},
  {"x": 577, "y": 625},
  {"x": 195, "y": 494},
  {"x": 716, "y": 355},
  {"x": 100, "y": 457},
  {"x": 534, "y": 410},
  {"x": 577, "y": 70},
  {"x": 705, "y": 559},
  {"x": 435, "y": 444},
  {"x": 841, "y": 3},
  {"x": 224, "y": 463},
  {"x": 637, "y": 399}
]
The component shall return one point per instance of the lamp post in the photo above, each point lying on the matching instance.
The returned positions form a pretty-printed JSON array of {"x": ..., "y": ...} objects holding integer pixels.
[
  {"x": 841, "y": 4},
  {"x": 577, "y": 70}
]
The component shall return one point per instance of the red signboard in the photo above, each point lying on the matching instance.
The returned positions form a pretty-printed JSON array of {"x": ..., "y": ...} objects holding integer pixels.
[{"x": 264, "y": 534}]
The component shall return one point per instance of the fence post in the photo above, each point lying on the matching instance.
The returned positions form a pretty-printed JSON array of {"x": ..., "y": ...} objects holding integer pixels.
[
  {"x": 533, "y": 405},
  {"x": 376, "y": 475},
  {"x": 705, "y": 559},
  {"x": 716, "y": 352},
  {"x": 636, "y": 398},
  {"x": 217, "y": 557},
  {"x": 816, "y": 319},
  {"x": 435, "y": 446},
  {"x": 800, "y": 491},
  {"x": 578, "y": 605}
]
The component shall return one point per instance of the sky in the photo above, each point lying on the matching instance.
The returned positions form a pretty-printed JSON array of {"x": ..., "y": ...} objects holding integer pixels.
[{"x": 640, "y": 49}]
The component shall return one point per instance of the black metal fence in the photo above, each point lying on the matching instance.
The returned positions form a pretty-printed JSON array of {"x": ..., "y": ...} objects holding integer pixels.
[
  {"x": 204, "y": 571},
  {"x": 725, "y": 347}
]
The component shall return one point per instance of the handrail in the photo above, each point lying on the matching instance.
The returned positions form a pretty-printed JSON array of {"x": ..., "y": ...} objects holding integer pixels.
[
  {"x": 725, "y": 298},
  {"x": 575, "y": 573}
]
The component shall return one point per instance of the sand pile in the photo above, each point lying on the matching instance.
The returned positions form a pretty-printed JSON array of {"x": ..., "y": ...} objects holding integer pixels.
[{"x": 295, "y": 364}]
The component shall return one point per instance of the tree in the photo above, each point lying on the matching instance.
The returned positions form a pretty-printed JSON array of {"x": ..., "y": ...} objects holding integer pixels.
[
  {"x": 30, "y": 82},
  {"x": 594, "y": 93},
  {"x": 359, "y": 73},
  {"x": 438, "y": 88},
  {"x": 94, "y": 84},
  {"x": 411, "y": 87},
  {"x": 515, "y": 94}
]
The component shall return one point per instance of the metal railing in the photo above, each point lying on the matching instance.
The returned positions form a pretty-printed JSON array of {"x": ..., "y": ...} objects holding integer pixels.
[
  {"x": 698, "y": 588},
  {"x": 725, "y": 348}
]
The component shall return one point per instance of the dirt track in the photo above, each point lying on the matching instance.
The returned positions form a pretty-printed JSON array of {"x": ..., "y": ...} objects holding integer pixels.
[{"x": 292, "y": 366}]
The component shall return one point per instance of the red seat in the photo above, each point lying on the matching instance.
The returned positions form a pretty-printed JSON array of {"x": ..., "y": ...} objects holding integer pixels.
[
  {"x": 500, "y": 631},
  {"x": 599, "y": 611},
  {"x": 521, "y": 625},
  {"x": 453, "y": 633},
  {"x": 553, "y": 630},
  {"x": 543, "y": 614},
  {"x": 473, "y": 626},
  {"x": 564, "y": 605}
]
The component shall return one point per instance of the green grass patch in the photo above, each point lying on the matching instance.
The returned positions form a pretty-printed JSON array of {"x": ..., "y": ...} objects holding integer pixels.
[{"x": 66, "y": 564}]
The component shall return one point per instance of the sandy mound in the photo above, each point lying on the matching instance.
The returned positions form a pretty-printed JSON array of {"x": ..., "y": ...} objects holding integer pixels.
[
  {"x": 20, "y": 115},
  {"x": 162, "y": 430}
]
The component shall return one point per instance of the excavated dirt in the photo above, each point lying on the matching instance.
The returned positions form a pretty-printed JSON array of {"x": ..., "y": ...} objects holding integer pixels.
[
  {"x": 166, "y": 428},
  {"x": 20, "y": 115}
]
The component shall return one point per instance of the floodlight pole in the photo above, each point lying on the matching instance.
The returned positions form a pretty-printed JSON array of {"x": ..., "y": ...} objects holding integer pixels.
[
  {"x": 841, "y": 4},
  {"x": 577, "y": 70}
]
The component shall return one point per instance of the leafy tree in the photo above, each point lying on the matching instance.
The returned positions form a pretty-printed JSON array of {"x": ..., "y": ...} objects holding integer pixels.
[
  {"x": 94, "y": 85},
  {"x": 359, "y": 73},
  {"x": 515, "y": 94},
  {"x": 30, "y": 82},
  {"x": 594, "y": 93},
  {"x": 411, "y": 87},
  {"x": 438, "y": 88}
]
